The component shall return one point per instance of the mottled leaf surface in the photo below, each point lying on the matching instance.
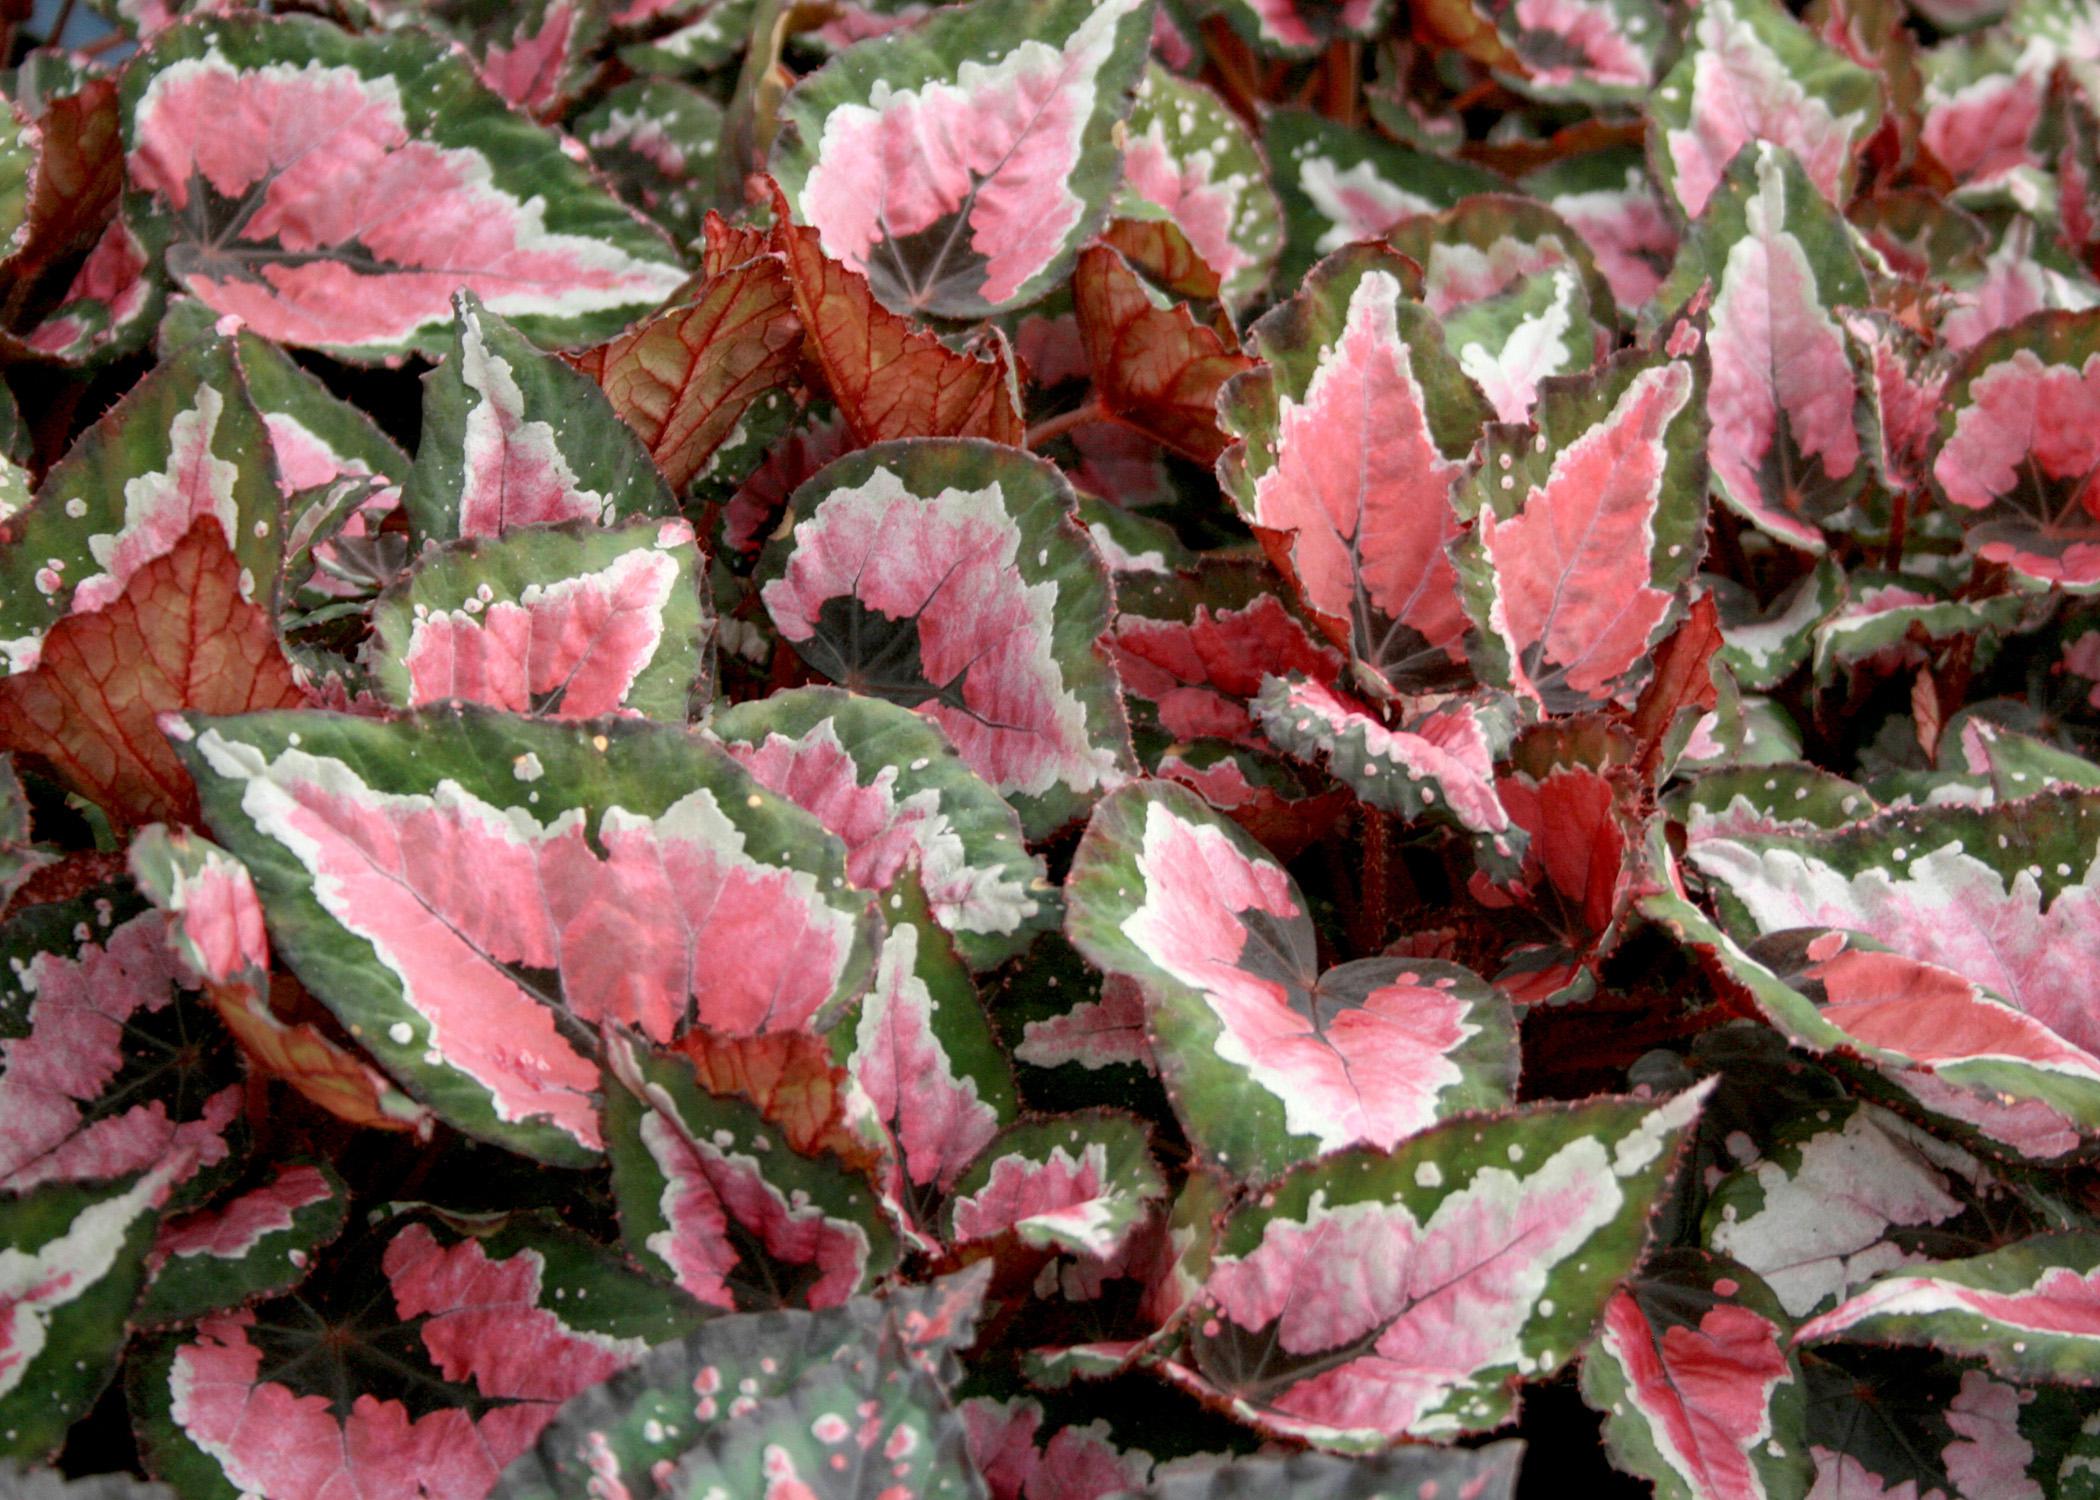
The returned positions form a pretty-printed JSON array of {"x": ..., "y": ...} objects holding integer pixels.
[
  {"x": 255, "y": 1243},
  {"x": 1187, "y": 157},
  {"x": 473, "y": 894},
  {"x": 1080, "y": 1183},
  {"x": 1269, "y": 1061}
]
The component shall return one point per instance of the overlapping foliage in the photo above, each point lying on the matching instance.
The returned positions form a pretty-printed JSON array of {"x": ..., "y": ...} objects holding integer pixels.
[{"x": 1054, "y": 749}]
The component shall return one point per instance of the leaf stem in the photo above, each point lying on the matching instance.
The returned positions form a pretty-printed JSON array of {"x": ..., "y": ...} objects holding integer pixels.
[{"x": 1052, "y": 428}]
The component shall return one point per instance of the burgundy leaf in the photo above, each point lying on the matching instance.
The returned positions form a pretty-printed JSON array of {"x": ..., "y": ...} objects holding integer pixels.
[{"x": 1156, "y": 369}]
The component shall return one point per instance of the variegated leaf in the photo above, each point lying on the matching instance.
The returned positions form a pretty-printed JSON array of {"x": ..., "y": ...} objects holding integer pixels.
[
  {"x": 1354, "y": 435},
  {"x": 891, "y": 786},
  {"x": 473, "y": 894},
  {"x": 513, "y": 437},
  {"x": 1791, "y": 425},
  {"x": 1076, "y": 1183},
  {"x": 2019, "y": 448},
  {"x": 1156, "y": 370},
  {"x": 571, "y": 621},
  {"x": 335, "y": 191},
  {"x": 1268, "y": 1060},
  {"x": 1589, "y": 523},
  {"x": 2031, "y": 1311},
  {"x": 1610, "y": 200},
  {"x": 257, "y": 1243},
  {"x": 639, "y": 1423},
  {"x": 433, "y": 1353},
  {"x": 1753, "y": 76},
  {"x": 72, "y": 1260},
  {"x": 1701, "y": 1394},
  {"x": 1023, "y": 98},
  {"x": 949, "y": 576},
  {"x": 1186, "y": 156},
  {"x": 656, "y": 139},
  {"x": 1377, "y": 1295},
  {"x": 719, "y": 1201}
]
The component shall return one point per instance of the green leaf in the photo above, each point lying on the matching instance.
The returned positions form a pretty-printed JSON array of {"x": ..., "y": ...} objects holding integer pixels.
[{"x": 257, "y": 1243}]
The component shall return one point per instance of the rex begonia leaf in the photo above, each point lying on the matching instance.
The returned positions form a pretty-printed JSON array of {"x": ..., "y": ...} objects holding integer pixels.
[
  {"x": 685, "y": 378},
  {"x": 960, "y": 164},
  {"x": 2019, "y": 447},
  {"x": 216, "y": 928},
  {"x": 49, "y": 1484},
  {"x": 2029, "y": 1310},
  {"x": 183, "y": 634},
  {"x": 950, "y": 576},
  {"x": 183, "y": 444},
  {"x": 1377, "y": 1295},
  {"x": 570, "y": 621},
  {"x": 891, "y": 378},
  {"x": 1956, "y": 1049},
  {"x": 106, "y": 1066},
  {"x": 108, "y": 308},
  {"x": 258, "y": 1243},
  {"x": 1609, "y": 199},
  {"x": 1023, "y": 1451},
  {"x": 1753, "y": 75},
  {"x": 1080, "y": 1183},
  {"x": 656, "y": 139},
  {"x": 75, "y": 169},
  {"x": 891, "y": 786},
  {"x": 1893, "y": 618},
  {"x": 1436, "y": 764},
  {"x": 1155, "y": 369},
  {"x": 1589, "y": 522},
  {"x": 514, "y": 437},
  {"x": 432, "y": 1353},
  {"x": 1701, "y": 1394},
  {"x": 1790, "y": 419},
  {"x": 1304, "y": 28},
  {"x": 2003, "y": 896},
  {"x": 669, "y": 1402},
  {"x": 1842, "y": 1193},
  {"x": 1355, "y": 431},
  {"x": 1487, "y": 244},
  {"x": 716, "y": 1198},
  {"x": 1340, "y": 185},
  {"x": 1200, "y": 675},
  {"x": 1187, "y": 156},
  {"x": 1599, "y": 52},
  {"x": 473, "y": 894},
  {"x": 335, "y": 191},
  {"x": 1268, "y": 1060},
  {"x": 72, "y": 1259},
  {"x": 538, "y": 55},
  {"x": 922, "y": 1051},
  {"x": 1761, "y": 648}
]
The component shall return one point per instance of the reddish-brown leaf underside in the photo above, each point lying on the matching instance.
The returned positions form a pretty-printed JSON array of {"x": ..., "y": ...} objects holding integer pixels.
[
  {"x": 891, "y": 380},
  {"x": 1155, "y": 369},
  {"x": 684, "y": 378},
  {"x": 180, "y": 636},
  {"x": 791, "y": 1080}
]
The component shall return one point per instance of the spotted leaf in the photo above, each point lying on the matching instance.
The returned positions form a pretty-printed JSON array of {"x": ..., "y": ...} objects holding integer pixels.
[
  {"x": 513, "y": 437},
  {"x": 1354, "y": 436},
  {"x": 1589, "y": 524},
  {"x": 622, "y": 849},
  {"x": 1375, "y": 1295},
  {"x": 2030, "y": 1310},
  {"x": 1610, "y": 200},
  {"x": 2017, "y": 448},
  {"x": 1485, "y": 1473},
  {"x": 1268, "y": 1060},
  {"x": 1187, "y": 157},
  {"x": 259, "y": 1242},
  {"x": 891, "y": 378},
  {"x": 1699, "y": 1391},
  {"x": 572, "y": 622},
  {"x": 72, "y": 1260},
  {"x": 106, "y": 1066},
  {"x": 1438, "y": 763},
  {"x": 1840, "y": 1195},
  {"x": 1751, "y": 75},
  {"x": 716, "y": 1199},
  {"x": 1023, "y": 98},
  {"x": 950, "y": 577},
  {"x": 685, "y": 1390},
  {"x": 656, "y": 139},
  {"x": 921, "y": 1050},
  {"x": 1303, "y": 28},
  {"x": 1789, "y": 416},
  {"x": 1154, "y": 369},
  {"x": 434, "y": 1353},
  {"x": 185, "y": 444},
  {"x": 1076, "y": 1183},
  {"x": 334, "y": 191},
  {"x": 1340, "y": 185},
  {"x": 891, "y": 786}
]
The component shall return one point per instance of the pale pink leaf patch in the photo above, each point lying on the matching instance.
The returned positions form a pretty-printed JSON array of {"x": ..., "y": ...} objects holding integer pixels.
[
  {"x": 1093, "y": 1034},
  {"x": 1079, "y": 1183},
  {"x": 230, "y": 1230}
]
